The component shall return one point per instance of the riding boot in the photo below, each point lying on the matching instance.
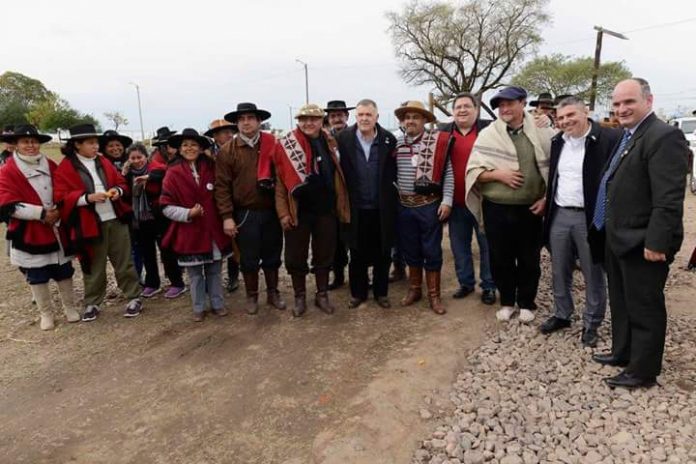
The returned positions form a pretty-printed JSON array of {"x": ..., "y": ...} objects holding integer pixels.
[
  {"x": 415, "y": 286},
  {"x": 299, "y": 286},
  {"x": 273, "y": 297},
  {"x": 432, "y": 280}
]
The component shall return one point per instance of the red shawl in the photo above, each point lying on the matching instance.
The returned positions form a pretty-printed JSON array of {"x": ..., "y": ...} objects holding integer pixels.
[
  {"x": 80, "y": 224},
  {"x": 293, "y": 159},
  {"x": 267, "y": 147},
  {"x": 33, "y": 237},
  {"x": 180, "y": 189}
]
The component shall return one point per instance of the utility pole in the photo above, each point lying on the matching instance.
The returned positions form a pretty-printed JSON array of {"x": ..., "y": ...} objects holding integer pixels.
[
  {"x": 598, "y": 52},
  {"x": 290, "y": 110},
  {"x": 306, "y": 80},
  {"x": 140, "y": 111}
]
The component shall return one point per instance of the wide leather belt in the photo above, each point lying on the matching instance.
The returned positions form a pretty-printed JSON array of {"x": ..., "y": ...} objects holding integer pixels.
[{"x": 415, "y": 200}]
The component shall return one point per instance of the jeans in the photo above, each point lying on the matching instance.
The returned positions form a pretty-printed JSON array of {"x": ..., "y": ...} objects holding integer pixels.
[
  {"x": 202, "y": 277},
  {"x": 462, "y": 224}
]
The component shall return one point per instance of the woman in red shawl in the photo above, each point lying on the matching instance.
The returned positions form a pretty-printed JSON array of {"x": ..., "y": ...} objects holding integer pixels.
[
  {"x": 195, "y": 233},
  {"x": 26, "y": 204},
  {"x": 88, "y": 190}
]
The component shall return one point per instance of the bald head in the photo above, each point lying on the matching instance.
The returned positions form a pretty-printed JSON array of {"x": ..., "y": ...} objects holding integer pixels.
[{"x": 632, "y": 101}]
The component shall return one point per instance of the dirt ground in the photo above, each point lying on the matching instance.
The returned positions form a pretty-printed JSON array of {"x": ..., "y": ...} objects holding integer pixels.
[{"x": 345, "y": 388}]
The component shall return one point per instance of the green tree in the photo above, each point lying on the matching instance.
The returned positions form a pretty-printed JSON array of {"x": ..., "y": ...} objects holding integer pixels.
[
  {"x": 466, "y": 46},
  {"x": 561, "y": 74},
  {"x": 55, "y": 113}
]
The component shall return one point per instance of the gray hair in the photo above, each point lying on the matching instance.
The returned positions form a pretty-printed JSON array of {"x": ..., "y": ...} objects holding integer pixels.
[
  {"x": 644, "y": 86},
  {"x": 367, "y": 102},
  {"x": 571, "y": 100}
]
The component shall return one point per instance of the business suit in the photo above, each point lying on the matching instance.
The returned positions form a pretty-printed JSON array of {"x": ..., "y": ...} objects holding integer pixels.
[
  {"x": 370, "y": 233},
  {"x": 644, "y": 210}
]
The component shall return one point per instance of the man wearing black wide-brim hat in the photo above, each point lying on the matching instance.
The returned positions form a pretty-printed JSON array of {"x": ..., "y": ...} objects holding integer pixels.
[
  {"x": 337, "y": 114},
  {"x": 245, "y": 196},
  {"x": 163, "y": 153},
  {"x": 9, "y": 147}
]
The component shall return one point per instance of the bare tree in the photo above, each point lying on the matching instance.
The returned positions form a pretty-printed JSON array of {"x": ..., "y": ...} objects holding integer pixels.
[
  {"x": 116, "y": 118},
  {"x": 469, "y": 46}
]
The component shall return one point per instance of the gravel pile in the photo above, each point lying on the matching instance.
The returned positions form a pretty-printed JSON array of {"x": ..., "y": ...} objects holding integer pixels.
[{"x": 529, "y": 398}]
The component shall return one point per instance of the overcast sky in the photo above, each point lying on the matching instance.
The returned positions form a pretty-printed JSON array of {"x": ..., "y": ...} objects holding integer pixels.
[{"x": 195, "y": 60}]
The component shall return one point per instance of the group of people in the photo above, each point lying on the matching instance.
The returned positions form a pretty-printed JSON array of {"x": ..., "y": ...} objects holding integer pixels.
[{"x": 607, "y": 198}]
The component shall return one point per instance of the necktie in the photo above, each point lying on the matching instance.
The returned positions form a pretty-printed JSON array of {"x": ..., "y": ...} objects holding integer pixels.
[{"x": 600, "y": 211}]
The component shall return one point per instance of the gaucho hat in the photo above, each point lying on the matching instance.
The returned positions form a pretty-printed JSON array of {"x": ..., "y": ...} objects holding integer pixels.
[
  {"x": 110, "y": 135},
  {"x": 544, "y": 98},
  {"x": 188, "y": 133},
  {"x": 413, "y": 106},
  {"x": 337, "y": 105},
  {"x": 83, "y": 131},
  {"x": 26, "y": 130},
  {"x": 218, "y": 125},
  {"x": 162, "y": 135},
  {"x": 245, "y": 108}
]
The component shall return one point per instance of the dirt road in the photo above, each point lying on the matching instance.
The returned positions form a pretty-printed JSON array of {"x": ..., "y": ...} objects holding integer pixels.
[{"x": 264, "y": 389}]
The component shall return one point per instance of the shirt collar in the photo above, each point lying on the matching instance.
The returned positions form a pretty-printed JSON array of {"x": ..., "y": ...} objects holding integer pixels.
[
  {"x": 517, "y": 131},
  {"x": 575, "y": 140},
  {"x": 632, "y": 130},
  {"x": 363, "y": 139}
]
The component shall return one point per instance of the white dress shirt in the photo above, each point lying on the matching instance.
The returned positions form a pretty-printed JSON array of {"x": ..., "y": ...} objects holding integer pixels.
[
  {"x": 105, "y": 210},
  {"x": 569, "y": 184}
]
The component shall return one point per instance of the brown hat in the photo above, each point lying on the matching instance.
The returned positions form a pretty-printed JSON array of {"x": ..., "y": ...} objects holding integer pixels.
[
  {"x": 218, "y": 125},
  {"x": 310, "y": 111},
  {"x": 413, "y": 106}
]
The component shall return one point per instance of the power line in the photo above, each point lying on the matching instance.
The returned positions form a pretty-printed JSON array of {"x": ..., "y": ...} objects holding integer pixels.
[{"x": 640, "y": 29}]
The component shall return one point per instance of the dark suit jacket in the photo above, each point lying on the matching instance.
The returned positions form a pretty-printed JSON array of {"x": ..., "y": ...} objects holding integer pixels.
[
  {"x": 387, "y": 197},
  {"x": 599, "y": 145},
  {"x": 645, "y": 196}
]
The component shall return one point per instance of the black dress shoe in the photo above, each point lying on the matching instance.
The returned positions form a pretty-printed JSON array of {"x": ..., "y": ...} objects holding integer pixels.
[
  {"x": 383, "y": 302},
  {"x": 553, "y": 324},
  {"x": 589, "y": 337},
  {"x": 462, "y": 292},
  {"x": 628, "y": 380},
  {"x": 608, "y": 359},
  {"x": 488, "y": 296}
]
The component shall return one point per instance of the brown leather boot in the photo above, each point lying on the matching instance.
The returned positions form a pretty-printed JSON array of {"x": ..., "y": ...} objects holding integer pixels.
[
  {"x": 300, "y": 287},
  {"x": 321, "y": 300},
  {"x": 273, "y": 297},
  {"x": 415, "y": 286},
  {"x": 251, "y": 283},
  {"x": 432, "y": 280}
]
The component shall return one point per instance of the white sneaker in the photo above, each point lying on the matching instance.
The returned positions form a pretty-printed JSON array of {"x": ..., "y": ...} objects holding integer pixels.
[
  {"x": 526, "y": 316},
  {"x": 505, "y": 313}
]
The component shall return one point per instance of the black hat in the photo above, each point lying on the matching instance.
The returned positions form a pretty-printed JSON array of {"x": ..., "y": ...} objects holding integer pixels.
[
  {"x": 508, "y": 93},
  {"x": 544, "y": 97},
  {"x": 338, "y": 105},
  {"x": 163, "y": 134},
  {"x": 25, "y": 131},
  {"x": 243, "y": 108},
  {"x": 175, "y": 140},
  {"x": 83, "y": 131},
  {"x": 113, "y": 135},
  {"x": 8, "y": 129}
]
